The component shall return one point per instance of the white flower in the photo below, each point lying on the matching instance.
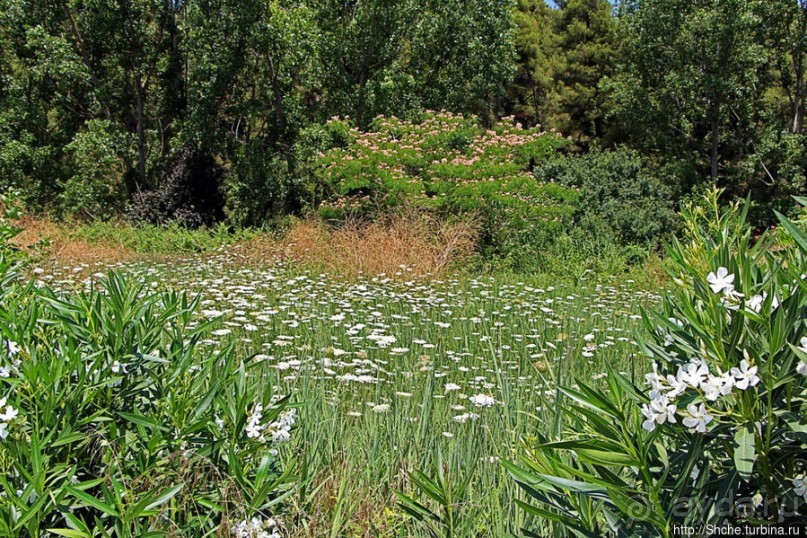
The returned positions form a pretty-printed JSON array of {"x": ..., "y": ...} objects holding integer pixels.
[
  {"x": 465, "y": 417},
  {"x": 257, "y": 528},
  {"x": 716, "y": 386},
  {"x": 755, "y": 302},
  {"x": 380, "y": 408},
  {"x": 3, "y": 430},
  {"x": 722, "y": 281},
  {"x": 677, "y": 385},
  {"x": 656, "y": 381},
  {"x": 589, "y": 337},
  {"x": 698, "y": 417},
  {"x": 5, "y": 372},
  {"x": 676, "y": 321},
  {"x": 254, "y": 422},
  {"x": 9, "y": 414},
  {"x": 482, "y": 400},
  {"x": 694, "y": 373},
  {"x": 280, "y": 429},
  {"x": 659, "y": 411},
  {"x": 802, "y": 368},
  {"x": 118, "y": 367},
  {"x": 802, "y": 344},
  {"x": 746, "y": 375}
]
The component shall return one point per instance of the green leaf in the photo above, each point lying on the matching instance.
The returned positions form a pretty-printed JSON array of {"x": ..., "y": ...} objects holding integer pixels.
[
  {"x": 744, "y": 452},
  {"x": 70, "y": 533},
  {"x": 798, "y": 235},
  {"x": 142, "y": 420},
  {"x": 89, "y": 500}
]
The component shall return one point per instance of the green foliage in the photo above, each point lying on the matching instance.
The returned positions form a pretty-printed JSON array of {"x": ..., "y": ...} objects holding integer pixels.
[
  {"x": 117, "y": 423},
  {"x": 10, "y": 212},
  {"x": 97, "y": 154},
  {"x": 158, "y": 239},
  {"x": 720, "y": 435},
  {"x": 98, "y": 98},
  {"x": 617, "y": 194},
  {"x": 259, "y": 188},
  {"x": 716, "y": 90},
  {"x": 449, "y": 491}
]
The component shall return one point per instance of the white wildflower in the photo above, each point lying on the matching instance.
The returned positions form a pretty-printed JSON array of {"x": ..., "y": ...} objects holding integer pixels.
[
  {"x": 482, "y": 400},
  {"x": 380, "y": 408},
  {"x": 465, "y": 417}
]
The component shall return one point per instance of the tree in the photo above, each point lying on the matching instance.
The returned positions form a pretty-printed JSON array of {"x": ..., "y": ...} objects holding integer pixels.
[
  {"x": 689, "y": 70},
  {"x": 785, "y": 33},
  {"x": 532, "y": 94},
  {"x": 463, "y": 54},
  {"x": 587, "y": 39}
]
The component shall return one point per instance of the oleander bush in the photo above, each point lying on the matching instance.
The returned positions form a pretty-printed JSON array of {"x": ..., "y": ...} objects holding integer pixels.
[
  {"x": 115, "y": 420},
  {"x": 717, "y": 432}
]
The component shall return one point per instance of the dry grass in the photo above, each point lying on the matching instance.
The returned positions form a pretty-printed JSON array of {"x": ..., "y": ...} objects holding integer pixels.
[
  {"x": 399, "y": 244},
  {"x": 403, "y": 243},
  {"x": 56, "y": 245}
]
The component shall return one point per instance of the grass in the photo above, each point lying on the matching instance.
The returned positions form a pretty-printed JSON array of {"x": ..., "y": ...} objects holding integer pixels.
[
  {"x": 372, "y": 361},
  {"x": 402, "y": 243}
]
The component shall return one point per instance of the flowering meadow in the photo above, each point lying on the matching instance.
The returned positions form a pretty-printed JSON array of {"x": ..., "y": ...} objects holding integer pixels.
[
  {"x": 218, "y": 396},
  {"x": 384, "y": 375}
]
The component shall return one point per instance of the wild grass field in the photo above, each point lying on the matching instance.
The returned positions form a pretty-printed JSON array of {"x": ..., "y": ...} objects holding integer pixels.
[{"x": 400, "y": 372}]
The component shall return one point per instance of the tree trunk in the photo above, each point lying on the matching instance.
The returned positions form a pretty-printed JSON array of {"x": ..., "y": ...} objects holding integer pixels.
[
  {"x": 141, "y": 134},
  {"x": 363, "y": 77},
  {"x": 798, "y": 97},
  {"x": 715, "y": 138}
]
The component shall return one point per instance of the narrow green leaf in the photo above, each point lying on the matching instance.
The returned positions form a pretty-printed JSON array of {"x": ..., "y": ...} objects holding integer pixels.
[{"x": 744, "y": 452}]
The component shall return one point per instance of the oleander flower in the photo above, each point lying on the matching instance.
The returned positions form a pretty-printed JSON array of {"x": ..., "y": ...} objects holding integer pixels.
[
  {"x": 745, "y": 375},
  {"x": 698, "y": 418},
  {"x": 659, "y": 411},
  {"x": 721, "y": 281}
]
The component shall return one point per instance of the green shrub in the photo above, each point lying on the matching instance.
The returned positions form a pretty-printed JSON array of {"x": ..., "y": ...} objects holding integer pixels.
[
  {"x": 97, "y": 154},
  {"x": 720, "y": 434},
  {"x": 616, "y": 190},
  {"x": 259, "y": 188},
  {"x": 115, "y": 421}
]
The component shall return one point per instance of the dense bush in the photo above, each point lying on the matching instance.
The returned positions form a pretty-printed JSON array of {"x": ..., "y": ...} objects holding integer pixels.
[
  {"x": 719, "y": 435},
  {"x": 190, "y": 194},
  {"x": 616, "y": 192},
  {"x": 97, "y": 189},
  {"x": 114, "y": 421},
  {"x": 260, "y": 188}
]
